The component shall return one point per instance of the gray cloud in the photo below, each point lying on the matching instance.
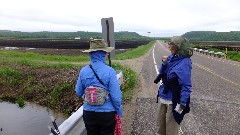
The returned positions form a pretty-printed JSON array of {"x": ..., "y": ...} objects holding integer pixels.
[{"x": 160, "y": 17}]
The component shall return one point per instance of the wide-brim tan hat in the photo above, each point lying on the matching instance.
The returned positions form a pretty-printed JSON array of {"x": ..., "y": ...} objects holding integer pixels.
[{"x": 98, "y": 45}]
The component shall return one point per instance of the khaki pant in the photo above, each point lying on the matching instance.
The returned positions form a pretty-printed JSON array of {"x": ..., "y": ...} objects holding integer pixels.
[{"x": 166, "y": 124}]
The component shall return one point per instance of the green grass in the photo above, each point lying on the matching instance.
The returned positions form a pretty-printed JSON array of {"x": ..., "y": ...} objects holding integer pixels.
[
  {"x": 9, "y": 76},
  {"x": 135, "y": 53},
  {"x": 59, "y": 90},
  {"x": 34, "y": 56},
  {"x": 25, "y": 57},
  {"x": 33, "y": 60},
  {"x": 234, "y": 55},
  {"x": 20, "y": 101},
  {"x": 29, "y": 82},
  {"x": 129, "y": 81},
  {"x": 37, "y": 64}
]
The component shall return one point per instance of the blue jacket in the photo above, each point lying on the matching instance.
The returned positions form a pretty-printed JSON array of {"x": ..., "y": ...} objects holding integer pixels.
[
  {"x": 107, "y": 75},
  {"x": 177, "y": 81},
  {"x": 177, "y": 67}
]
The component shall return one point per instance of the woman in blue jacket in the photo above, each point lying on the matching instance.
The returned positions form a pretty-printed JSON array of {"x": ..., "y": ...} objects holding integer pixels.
[
  {"x": 175, "y": 91},
  {"x": 99, "y": 118}
]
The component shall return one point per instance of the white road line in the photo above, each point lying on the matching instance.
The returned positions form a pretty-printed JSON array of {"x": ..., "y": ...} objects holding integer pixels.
[
  {"x": 180, "y": 131},
  {"x": 154, "y": 56},
  {"x": 156, "y": 69},
  {"x": 154, "y": 60}
]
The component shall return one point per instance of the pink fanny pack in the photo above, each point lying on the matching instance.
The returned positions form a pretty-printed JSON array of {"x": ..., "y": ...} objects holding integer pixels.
[{"x": 94, "y": 95}]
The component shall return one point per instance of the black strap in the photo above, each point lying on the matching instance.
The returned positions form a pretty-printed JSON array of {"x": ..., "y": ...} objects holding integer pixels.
[{"x": 96, "y": 75}]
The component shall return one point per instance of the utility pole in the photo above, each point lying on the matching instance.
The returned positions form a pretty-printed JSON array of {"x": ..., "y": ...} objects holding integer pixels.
[{"x": 148, "y": 33}]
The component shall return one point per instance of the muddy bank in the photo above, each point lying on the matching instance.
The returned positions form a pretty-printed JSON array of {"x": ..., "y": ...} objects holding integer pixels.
[{"x": 49, "y": 87}]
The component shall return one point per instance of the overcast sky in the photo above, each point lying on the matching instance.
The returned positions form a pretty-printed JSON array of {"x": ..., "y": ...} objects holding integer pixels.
[{"x": 160, "y": 17}]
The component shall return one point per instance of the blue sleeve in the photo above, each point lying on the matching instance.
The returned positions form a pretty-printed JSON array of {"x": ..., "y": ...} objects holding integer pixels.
[
  {"x": 115, "y": 92},
  {"x": 163, "y": 69},
  {"x": 79, "y": 87},
  {"x": 184, "y": 79},
  {"x": 164, "y": 66}
]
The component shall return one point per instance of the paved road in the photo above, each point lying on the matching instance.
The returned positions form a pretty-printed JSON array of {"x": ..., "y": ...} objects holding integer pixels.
[{"x": 215, "y": 100}]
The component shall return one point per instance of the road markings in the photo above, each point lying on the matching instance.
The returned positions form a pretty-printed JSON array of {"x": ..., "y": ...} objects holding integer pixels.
[
  {"x": 210, "y": 71},
  {"x": 180, "y": 131},
  {"x": 154, "y": 60},
  {"x": 218, "y": 59}
]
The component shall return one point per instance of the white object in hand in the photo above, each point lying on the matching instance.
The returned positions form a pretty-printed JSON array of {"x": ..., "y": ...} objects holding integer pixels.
[{"x": 178, "y": 108}]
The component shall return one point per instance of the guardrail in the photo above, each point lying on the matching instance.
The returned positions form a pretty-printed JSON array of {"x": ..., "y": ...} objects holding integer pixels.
[
  {"x": 211, "y": 53},
  {"x": 74, "y": 125}
]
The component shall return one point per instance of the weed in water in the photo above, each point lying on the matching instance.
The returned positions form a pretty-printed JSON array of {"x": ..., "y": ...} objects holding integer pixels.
[{"x": 20, "y": 101}]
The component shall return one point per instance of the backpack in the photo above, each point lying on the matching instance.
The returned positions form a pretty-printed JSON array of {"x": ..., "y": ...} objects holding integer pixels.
[{"x": 95, "y": 95}]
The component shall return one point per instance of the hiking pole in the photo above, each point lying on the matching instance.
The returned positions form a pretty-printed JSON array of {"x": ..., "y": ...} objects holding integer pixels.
[
  {"x": 157, "y": 97},
  {"x": 55, "y": 125},
  {"x": 53, "y": 131}
]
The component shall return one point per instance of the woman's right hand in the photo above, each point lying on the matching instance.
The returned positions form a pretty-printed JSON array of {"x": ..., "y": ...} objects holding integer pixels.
[{"x": 164, "y": 59}]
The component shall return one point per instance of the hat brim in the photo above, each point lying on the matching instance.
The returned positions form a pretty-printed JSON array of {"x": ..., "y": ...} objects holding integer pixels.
[{"x": 108, "y": 49}]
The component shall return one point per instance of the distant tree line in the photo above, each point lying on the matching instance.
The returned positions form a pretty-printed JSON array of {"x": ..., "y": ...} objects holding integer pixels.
[
  {"x": 123, "y": 35},
  {"x": 212, "y": 36}
]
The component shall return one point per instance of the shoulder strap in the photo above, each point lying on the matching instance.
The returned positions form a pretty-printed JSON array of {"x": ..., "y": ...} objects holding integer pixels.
[{"x": 96, "y": 75}]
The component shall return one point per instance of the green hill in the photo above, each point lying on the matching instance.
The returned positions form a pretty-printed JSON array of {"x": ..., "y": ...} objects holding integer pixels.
[
  {"x": 212, "y": 36},
  {"x": 123, "y": 35}
]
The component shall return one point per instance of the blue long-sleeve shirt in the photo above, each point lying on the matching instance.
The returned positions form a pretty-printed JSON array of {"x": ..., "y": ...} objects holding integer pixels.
[{"x": 107, "y": 75}]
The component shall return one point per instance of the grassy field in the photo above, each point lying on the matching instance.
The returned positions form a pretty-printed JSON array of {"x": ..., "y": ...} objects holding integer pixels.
[
  {"x": 30, "y": 56},
  {"x": 49, "y": 80}
]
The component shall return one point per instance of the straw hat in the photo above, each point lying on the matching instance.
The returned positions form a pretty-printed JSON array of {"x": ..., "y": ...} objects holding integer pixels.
[{"x": 98, "y": 45}]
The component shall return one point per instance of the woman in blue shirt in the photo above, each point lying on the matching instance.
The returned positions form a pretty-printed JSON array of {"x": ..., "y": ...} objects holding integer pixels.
[
  {"x": 99, "y": 119},
  {"x": 175, "y": 91}
]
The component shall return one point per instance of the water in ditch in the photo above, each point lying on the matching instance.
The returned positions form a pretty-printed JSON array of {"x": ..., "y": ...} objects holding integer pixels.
[{"x": 29, "y": 120}]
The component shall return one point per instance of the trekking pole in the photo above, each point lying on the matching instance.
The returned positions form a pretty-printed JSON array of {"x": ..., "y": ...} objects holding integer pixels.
[
  {"x": 53, "y": 131},
  {"x": 55, "y": 125},
  {"x": 157, "y": 99}
]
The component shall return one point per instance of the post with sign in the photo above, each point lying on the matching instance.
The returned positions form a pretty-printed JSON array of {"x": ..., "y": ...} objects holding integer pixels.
[{"x": 108, "y": 35}]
